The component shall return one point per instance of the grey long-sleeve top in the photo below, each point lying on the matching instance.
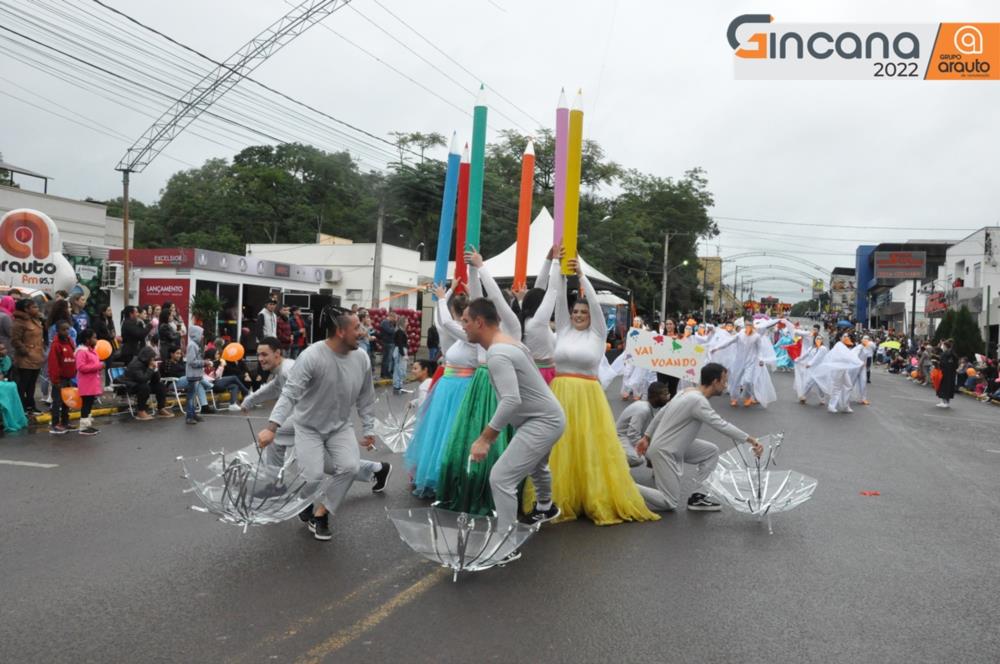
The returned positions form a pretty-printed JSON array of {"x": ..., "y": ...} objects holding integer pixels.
[
  {"x": 323, "y": 387},
  {"x": 521, "y": 390},
  {"x": 677, "y": 423},
  {"x": 271, "y": 390},
  {"x": 633, "y": 421}
]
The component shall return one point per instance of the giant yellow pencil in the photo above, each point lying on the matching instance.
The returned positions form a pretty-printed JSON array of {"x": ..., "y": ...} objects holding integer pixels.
[{"x": 574, "y": 162}]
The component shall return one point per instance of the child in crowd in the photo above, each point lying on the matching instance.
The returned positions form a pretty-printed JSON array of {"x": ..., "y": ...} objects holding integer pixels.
[
  {"x": 62, "y": 370},
  {"x": 88, "y": 378}
]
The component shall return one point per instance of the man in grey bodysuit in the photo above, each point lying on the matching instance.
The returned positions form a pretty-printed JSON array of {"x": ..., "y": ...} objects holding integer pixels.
[
  {"x": 328, "y": 380},
  {"x": 526, "y": 403},
  {"x": 271, "y": 360}
]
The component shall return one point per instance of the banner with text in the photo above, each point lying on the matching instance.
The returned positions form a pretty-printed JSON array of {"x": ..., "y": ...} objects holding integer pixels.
[{"x": 682, "y": 358}]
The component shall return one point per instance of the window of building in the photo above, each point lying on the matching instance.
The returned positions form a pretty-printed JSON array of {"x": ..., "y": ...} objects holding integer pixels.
[{"x": 353, "y": 295}]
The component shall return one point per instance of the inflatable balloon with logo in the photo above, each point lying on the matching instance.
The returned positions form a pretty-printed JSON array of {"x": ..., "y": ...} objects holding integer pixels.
[{"x": 30, "y": 253}]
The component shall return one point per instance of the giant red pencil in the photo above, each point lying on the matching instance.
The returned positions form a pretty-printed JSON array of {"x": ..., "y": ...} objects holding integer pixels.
[
  {"x": 461, "y": 271},
  {"x": 524, "y": 217}
]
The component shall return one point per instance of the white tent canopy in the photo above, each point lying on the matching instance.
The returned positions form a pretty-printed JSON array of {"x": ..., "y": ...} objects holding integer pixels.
[{"x": 501, "y": 266}]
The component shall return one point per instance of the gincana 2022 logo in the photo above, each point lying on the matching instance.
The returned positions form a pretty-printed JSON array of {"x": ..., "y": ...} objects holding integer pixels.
[{"x": 763, "y": 49}]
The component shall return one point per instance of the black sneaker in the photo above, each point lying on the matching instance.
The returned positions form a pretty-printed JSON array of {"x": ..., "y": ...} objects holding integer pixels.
[
  {"x": 699, "y": 502},
  {"x": 58, "y": 430},
  {"x": 381, "y": 477},
  {"x": 306, "y": 515},
  {"x": 320, "y": 527},
  {"x": 89, "y": 431},
  {"x": 191, "y": 420},
  {"x": 541, "y": 516}
]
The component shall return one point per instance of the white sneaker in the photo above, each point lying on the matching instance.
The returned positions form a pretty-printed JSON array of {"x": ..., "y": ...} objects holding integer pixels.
[
  {"x": 234, "y": 408},
  {"x": 848, "y": 410},
  {"x": 941, "y": 404}
]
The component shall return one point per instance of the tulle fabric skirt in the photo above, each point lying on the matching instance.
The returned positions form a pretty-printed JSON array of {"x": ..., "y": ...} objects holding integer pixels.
[
  {"x": 426, "y": 450},
  {"x": 590, "y": 474},
  {"x": 465, "y": 486}
]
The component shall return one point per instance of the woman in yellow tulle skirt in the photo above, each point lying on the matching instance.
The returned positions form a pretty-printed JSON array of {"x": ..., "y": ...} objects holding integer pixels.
[{"x": 590, "y": 475}]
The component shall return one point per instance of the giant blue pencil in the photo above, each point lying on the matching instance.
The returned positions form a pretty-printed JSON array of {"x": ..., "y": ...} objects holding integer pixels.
[{"x": 447, "y": 224}]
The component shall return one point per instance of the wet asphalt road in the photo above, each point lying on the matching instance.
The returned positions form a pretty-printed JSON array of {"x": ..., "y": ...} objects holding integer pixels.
[{"x": 103, "y": 561}]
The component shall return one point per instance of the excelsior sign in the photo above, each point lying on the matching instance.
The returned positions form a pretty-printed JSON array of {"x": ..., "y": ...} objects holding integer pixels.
[
  {"x": 28, "y": 256},
  {"x": 900, "y": 264}
]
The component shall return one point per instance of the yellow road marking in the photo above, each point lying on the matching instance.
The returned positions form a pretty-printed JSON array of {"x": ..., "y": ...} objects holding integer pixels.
[{"x": 346, "y": 636}]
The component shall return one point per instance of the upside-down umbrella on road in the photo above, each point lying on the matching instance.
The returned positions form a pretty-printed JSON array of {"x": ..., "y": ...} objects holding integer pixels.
[
  {"x": 395, "y": 429},
  {"x": 747, "y": 484},
  {"x": 462, "y": 542},
  {"x": 243, "y": 488}
]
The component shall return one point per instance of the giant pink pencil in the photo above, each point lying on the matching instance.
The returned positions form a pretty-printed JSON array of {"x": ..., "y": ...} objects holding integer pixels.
[{"x": 562, "y": 154}]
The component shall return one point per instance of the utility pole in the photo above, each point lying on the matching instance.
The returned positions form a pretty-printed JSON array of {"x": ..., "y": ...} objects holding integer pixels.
[
  {"x": 125, "y": 242},
  {"x": 913, "y": 313},
  {"x": 377, "y": 272},
  {"x": 736, "y": 272},
  {"x": 666, "y": 260}
]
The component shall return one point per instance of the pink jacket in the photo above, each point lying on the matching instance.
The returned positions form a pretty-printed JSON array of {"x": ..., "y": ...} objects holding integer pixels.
[{"x": 88, "y": 372}]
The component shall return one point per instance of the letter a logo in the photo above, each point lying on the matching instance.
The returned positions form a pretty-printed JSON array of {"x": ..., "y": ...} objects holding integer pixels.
[{"x": 24, "y": 233}]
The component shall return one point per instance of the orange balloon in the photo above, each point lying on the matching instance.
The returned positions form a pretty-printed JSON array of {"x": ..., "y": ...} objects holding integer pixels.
[
  {"x": 914, "y": 374},
  {"x": 103, "y": 349},
  {"x": 233, "y": 352},
  {"x": 71, "y": 397},
  {"x": 970, "y": 372}
]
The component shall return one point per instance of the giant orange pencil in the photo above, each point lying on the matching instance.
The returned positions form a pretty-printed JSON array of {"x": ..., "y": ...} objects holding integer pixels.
[
  {"x": 574, "y": 163},
  {"x": 524, "y": 216},
  {"x": 461, "y": 271}
]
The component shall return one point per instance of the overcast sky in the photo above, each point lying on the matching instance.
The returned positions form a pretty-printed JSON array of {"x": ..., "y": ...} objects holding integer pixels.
[{"x": 659, "y": 95}]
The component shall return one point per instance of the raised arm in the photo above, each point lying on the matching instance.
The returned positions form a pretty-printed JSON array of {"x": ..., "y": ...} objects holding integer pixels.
[
  {"x": 544, "y": 312},
  {"x": 446, "y": 322},
  {"x": 475, "y": 286},
  {"x": 542, "y": 280},
  {"x": 266, "y": 392},
  {"x": 597, "y": 322},
  {"x": 557, "y": 282},
  {"x": 509, "y": 323}
]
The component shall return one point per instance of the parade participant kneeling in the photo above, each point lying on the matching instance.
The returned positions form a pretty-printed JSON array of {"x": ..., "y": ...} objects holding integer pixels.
[
  {"x": 674, "y": 443},
  {"x": 271, "y": 359},
  {"x": 525, "y": 402},
  {"x": 329, "y": 379},
  {"x": 634, "y": 420}
]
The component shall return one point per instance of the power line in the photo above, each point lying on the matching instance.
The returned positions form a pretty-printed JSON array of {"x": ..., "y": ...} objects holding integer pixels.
[{"x": 458, "y": 64}]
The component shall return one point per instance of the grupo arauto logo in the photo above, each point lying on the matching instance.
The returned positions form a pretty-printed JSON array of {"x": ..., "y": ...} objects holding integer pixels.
[
  {"x": 27, "y": 234},
  {"x": 764, "y": 49}
]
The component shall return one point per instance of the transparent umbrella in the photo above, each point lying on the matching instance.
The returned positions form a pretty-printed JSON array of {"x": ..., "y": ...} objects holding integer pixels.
[
  {"x": 459, "y": 541},
  {"x": 749, "y": 485},
  {"x": 246, "y": 486},
  {"x": 395, "y": 426}
]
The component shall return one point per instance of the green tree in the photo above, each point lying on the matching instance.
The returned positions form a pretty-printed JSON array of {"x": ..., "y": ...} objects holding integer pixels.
[
  {"x": 945, "y": 326},
  {"x": 630, "y": 244},
  {"x": 966, "y": 334}
]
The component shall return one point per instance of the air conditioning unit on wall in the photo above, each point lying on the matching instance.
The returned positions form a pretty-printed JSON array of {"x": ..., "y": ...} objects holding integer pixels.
[{"x": 113, "y": 276}]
